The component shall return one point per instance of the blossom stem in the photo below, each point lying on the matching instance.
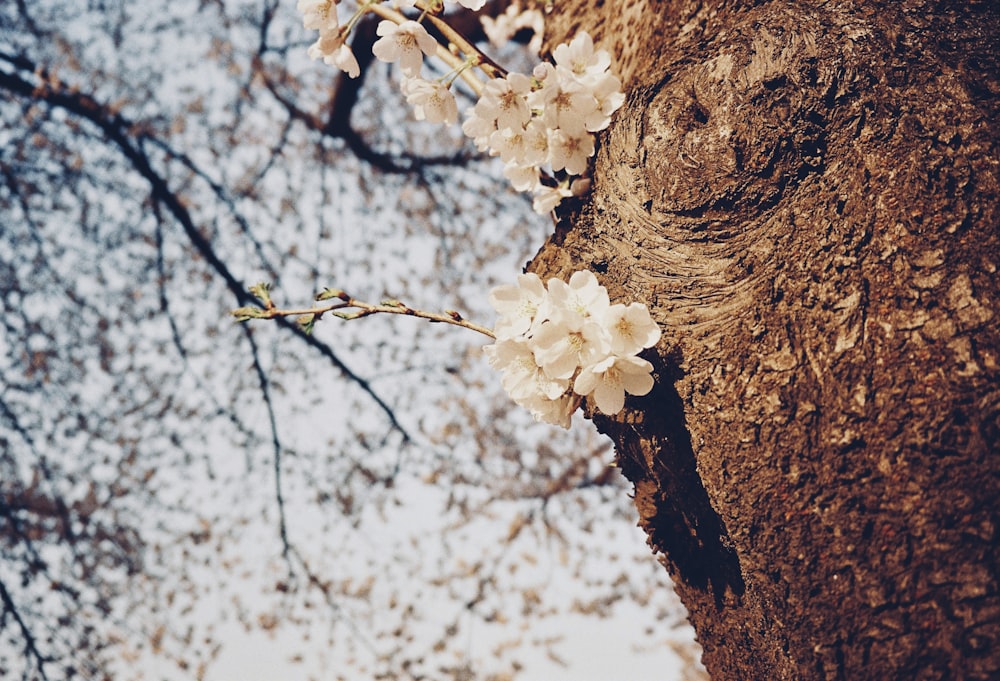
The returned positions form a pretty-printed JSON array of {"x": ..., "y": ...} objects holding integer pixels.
[
  {"x": 460, "y": 70},
  {"x": 486, "y": 65},
  {"x": 350, "y": 308},
  {"x": 363, "y": 8}
]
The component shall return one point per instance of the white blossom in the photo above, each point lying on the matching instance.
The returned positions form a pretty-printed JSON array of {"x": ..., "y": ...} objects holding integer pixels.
[
  {"x": 579, "y": 57},
  {"x": 527, "y": 145},
  {"x": 573, "y": 302},
  {"x": 611, "y": 378},
  {"x": 509, "y": 144},
  {"x": 558, "y": 412},
  {"x": 504, "y": 101},
  {"x": 343, "y": 58},
  {"x": 327, "y": 45},
  {"x": 608, "y": 97},
  {"x": 432, "y": 101},
  {"x": 547, "y": 198},
  {"x": 560, "y": 349},
  {"x": 517, "y": 305},
  {"x": 547, "y": 120},
  {"x": 522, "y": 378},
  {"x": 570, "y": 150},
  {"x": 564, "y": 101},
  {"x": 631, "y": 328},
  {"x": 523, "y": 178},
  {"x": 403, "y": 43},
  {"x": 474, "y": 5},
  {"x": 321, "y": 15},
  {"x": 536, "y": 142},
  {"x": 479, "y": 129},
  {"x": 547, "y": 399},
  {"x": 318, "y": 15},
  {"x": 564, "y": 340}
]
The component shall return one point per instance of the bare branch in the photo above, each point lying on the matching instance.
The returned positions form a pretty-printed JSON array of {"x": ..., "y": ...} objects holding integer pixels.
[
  {"x": 119, "y": 130},
  {"x": 30, "y": 644},
  {"x": 308, "y": 316}
]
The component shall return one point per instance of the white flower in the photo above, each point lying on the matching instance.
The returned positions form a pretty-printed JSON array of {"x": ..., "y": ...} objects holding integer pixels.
[
  {"x": 565, "y": 338},
  {"x": 609, "y": 97},
  {"x": 520, "y": 145},
  {"x": 536, "y": 142},
  {"x": 509, "y": 144},
  {"x": 501, "y": 28},
  {"x": 564, "y": 101},
  {"x": 527, "y": 145},
  {"x": 517, "y": 305},
  {"x": 611, "y": 378},
  {"x": 328, "y": 43},
  {"x": 523, "y": 178},
  {"x": 581, "y": 298},
  {"x": 432, "y": 101},
  {"x": 522, "y": 378},
  {"x": 479, "y": 129},
  {"x": 579, "y": 57},
  {"x": 403, "y": 43},
  {"x": 344, "y": 60},
  {"x": 561, "y": 349},
  {"x": 570, "y": 150},
  {"x": 547, "y": 399},
  {"x": 504, "y": 100},
  {"x": 558, "y": 412},
  {"x": 630, "y": 327},
  {"x": 474, "y": 5},
  {"x": 318, "y": 15},
  {"x": 547, "y": 198}
]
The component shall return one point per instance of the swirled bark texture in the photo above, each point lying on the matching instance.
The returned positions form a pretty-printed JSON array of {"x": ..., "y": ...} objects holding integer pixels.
[{"x": 806, "y": 194}]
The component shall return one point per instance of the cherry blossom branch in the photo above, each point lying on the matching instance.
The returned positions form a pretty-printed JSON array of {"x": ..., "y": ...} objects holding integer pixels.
[
  {"x": 346, "y": 308},
  {"x": 542, "y": 126},
  {"x": 485, "y": 64}
]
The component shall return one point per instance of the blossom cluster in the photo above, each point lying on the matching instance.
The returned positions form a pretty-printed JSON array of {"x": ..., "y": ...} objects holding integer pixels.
[
  {"x": 321, "y": 15},
  {"x": 538, "y": 125},
  {"x": 548, "y": 119},
  {"x": 558, "y": 343},
  {"x": 403, "y": 42}
]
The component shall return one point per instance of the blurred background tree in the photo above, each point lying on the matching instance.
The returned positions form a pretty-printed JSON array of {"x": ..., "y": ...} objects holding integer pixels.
[{"x": 174, "y": 486}]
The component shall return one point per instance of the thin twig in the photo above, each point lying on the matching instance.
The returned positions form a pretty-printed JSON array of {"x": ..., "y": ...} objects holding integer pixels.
[
  {"x": 119, "y": 131},
  {"x": 30, "y": 644},
  {"x": 349, "y": 308}
]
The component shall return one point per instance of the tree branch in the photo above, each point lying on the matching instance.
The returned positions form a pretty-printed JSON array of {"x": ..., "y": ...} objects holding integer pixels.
[
  {"x": 118, "y": 129},
  {"x": 337, "y": 123},
  {"x": 30, "y": 645},
  {"x": 265, "y": 390}
]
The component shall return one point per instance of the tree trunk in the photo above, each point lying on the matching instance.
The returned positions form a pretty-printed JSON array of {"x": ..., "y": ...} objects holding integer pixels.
[{"x": 806, "y": 193}]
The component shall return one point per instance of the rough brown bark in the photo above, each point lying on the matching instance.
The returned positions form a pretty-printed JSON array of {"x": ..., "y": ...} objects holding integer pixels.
[{"x": 806, "y": 193}]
